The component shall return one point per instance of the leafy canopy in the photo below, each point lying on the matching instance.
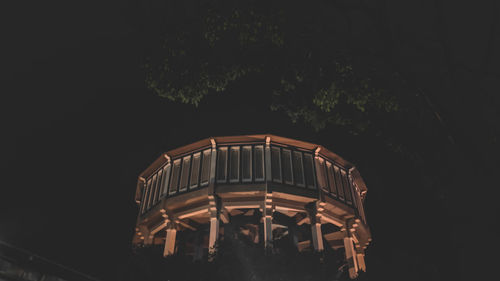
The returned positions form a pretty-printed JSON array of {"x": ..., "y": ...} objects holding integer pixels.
[{"x": 314, "y": 74}]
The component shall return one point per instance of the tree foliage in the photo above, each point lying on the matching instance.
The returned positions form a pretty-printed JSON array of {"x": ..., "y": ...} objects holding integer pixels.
[{"x": 312, "y": 74}]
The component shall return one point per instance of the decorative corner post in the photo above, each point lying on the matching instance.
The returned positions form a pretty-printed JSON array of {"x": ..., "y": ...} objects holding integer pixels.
[{"x": 213, "y": 161}]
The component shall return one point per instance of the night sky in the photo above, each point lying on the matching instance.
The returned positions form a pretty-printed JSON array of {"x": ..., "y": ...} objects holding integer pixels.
[{"x": 79, "y": 127}]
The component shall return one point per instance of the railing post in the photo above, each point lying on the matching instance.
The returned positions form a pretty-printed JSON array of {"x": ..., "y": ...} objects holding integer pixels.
[
  {"x": 268, "y": 159},
  {"x": 213, "y": 161}
]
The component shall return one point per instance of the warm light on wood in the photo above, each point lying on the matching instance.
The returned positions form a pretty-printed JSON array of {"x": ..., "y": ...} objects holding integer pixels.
[{"x": 264, "y": 182}]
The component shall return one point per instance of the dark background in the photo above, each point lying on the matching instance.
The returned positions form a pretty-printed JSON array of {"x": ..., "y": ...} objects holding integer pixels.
[{"x": 79, "y": 126}]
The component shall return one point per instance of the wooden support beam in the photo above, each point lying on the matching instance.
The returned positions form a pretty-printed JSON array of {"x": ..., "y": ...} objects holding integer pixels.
[
  {"x": 302, "y": 218},
  {"x": 303, "y": 245},
  {"x": 186, "y": 224},
  {"x": 317, "y": 237},
  {"x": 337, "y": 235},
  {"x": 235, "y": 212},
  {"x": 288, "y": 204},
  {"x": 213, "y": 237},
  {"x": 170, "y": 241},
  {"x": 313, "y": 210},
  {"x": 350, "y": 254},
  {"x": 354, "y": 236},
  {"x": 331, "y": 218},
  {"x": 268, "y": 221},
  {"x": 242, "y": 205},
  {"x": 287, "y": 210},
  {"x": 360, "y": 258},
  {"x": 224, "y": 216},
  {"x": 268, "y": 231},
  {"x": 156, "y": 228},
  {"x": 214, "y": 227},
  {"x": 193, "y": 212}
]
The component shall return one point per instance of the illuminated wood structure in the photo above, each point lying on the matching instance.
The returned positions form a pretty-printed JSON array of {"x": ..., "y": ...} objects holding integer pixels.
[{"x": 287, "y": 184}]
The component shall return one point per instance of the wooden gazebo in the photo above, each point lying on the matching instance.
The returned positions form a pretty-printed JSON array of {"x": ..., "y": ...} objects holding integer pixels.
[{"x": 285, "y": 185}]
